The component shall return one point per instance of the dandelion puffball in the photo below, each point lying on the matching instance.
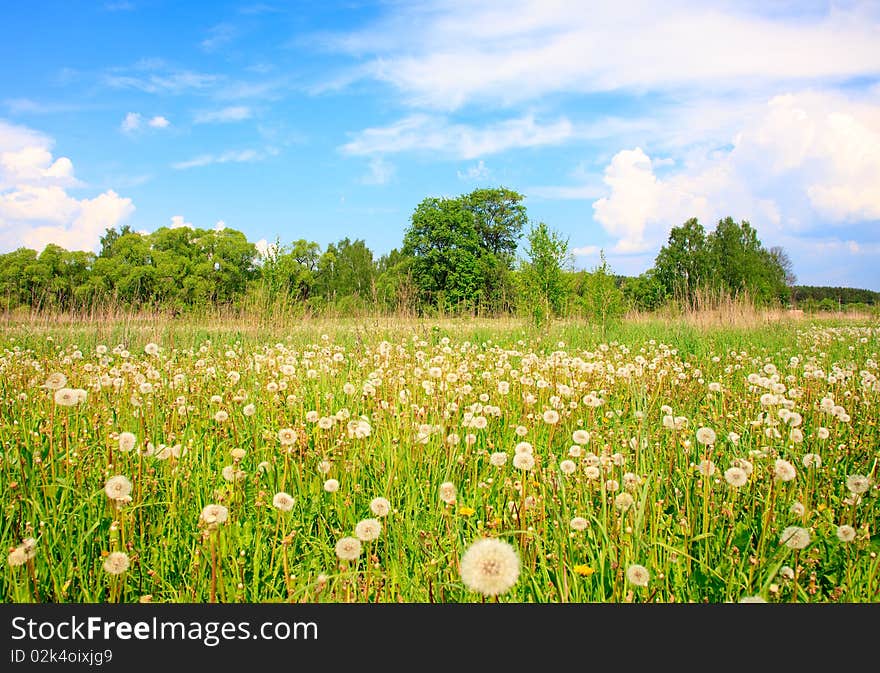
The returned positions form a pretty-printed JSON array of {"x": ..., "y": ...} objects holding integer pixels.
[
  {"x": 490, "y": 567},
  {"x": 638, "y": 575},
  {"x": 282, "y": 501},
  {"x": 116, "y": 563},
  {"x": 368, "y": 529},
  {"x": 380, "y": 506},
  {"x": 348, "y": 548}
]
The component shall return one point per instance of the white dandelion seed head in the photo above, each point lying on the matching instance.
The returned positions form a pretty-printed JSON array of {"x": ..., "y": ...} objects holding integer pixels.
[
  {"x": 846, "y": 533},
  {"x": 623, "y": 501},
  {"x": 524, "y": 461},
  {"x": 368, "y": 529},
  {"x": 282, "y": 501},
  {"x": 857, "y": 483},
  {"x": 795, "y": 537},
  {"x": 498, "y": 459},
  {"x": 331, "y": 485},
  {"x": 567, "y": 466},
  {"x": 447, "y": 492},
  {"x": 490, "y": 566},
  {"x": 348, "y": 548},
  {"x": 580, "y": 437},
  {"x": 811, "y": 460},
  {"x": 380, "y": 506},
  {"x": 783, "y": 470},
  {"x": 736, "y": 477},
  {"x": 578, "y": 523},
  {"x": 523, "y": 447},
  {"x": 117, "y": 487},
  {"x": 66, "y": 397},
  {"x": 638, "y": 575},
  {"x": 752, "y": 599},
  {"x": 214, "y": 515},
  {"x": 706, "y": 436},
  {"x": 116, "y": 563}
]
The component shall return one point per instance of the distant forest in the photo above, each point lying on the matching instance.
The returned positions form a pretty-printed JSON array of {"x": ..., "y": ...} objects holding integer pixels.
[{"x": 477, "y": 253}]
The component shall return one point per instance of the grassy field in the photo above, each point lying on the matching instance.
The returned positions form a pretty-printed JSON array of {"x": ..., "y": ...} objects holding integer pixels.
[{"x": 173, "y": 461}]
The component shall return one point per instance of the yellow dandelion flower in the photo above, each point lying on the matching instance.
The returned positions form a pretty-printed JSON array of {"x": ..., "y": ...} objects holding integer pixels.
[
  {"x": 466, "y": 511},
  {"x": 583, "y": 570}
]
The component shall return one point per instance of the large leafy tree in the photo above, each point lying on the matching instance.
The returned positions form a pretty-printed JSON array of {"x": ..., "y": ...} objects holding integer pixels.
[
  {"x": 346, "y": 269},
  {"x": 682, "y": 265},
  {"x": 445, "y": 246}
]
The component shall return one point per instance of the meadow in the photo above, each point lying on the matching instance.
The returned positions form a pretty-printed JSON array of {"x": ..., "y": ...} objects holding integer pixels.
[{"x": 370, "y": 461}]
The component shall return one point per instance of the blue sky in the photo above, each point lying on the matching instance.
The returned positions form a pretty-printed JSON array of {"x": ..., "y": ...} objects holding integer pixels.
[{"x": 321, "y": 120}]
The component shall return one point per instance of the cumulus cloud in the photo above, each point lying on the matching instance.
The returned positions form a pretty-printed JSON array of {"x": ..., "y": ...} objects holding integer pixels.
[
  {"x": 35, "y": 208},
  {"x": 810, "y": 160},
  {"x": 179, "y": 221},
  {"x": 159, "y": 122},
  {"x": 134, "y": 121},
  {"x": 427, "y": 133}
]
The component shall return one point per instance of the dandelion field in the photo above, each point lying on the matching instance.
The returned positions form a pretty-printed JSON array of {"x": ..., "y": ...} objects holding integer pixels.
[{"x": 334, "y": 462}]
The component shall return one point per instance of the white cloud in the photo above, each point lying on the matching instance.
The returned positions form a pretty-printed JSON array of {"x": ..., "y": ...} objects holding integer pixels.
[
  {"x": 424, "y": 133},
  {"x": 35, "y": 208},
  {"x": 231, "y": 156},
  {"x": 585, "y": 251},
  {"x": 478, "y": 171},
  {"x": 131, "y": 123},
  {"x": 446, "y": 54},
  {"x": 219, "y": 35},
  {"x": 379, "y": 172},
  {"x": 174, "y": 82},
  {"x": 235, "y": 113},
  {"x": 220, "y": 226},
  {"x": 809, "y": 160},
  {"x": 159, "y": 122},
  {"x": 179, "y": 221}
]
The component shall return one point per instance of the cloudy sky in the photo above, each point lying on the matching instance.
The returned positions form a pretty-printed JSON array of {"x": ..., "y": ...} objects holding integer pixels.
[{"x": 321, "y": 120}]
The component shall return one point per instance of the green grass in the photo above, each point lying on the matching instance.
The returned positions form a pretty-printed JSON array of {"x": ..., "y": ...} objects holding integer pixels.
[{"x": 700, "y": 540}]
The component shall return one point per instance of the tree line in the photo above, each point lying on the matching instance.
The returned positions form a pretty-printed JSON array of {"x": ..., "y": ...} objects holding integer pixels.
[{"x": 458, "y": 255}]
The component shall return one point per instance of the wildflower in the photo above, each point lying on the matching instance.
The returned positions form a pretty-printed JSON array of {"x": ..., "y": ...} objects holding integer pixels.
[
  {"x": 55, "y": 381},
  {"x": 466, "y": 511},
  {"x": 786, "y": 572},
  {"x": 811, "y": 460},
  {"x": 214, "y": 515},
  {"x": 117, "y": 487},
  {"x": 116, "y": 563},
  {"x": 797, "y": 509},
  {"x": 580, "y": 437},
  {"x": 795, "y": 537},
  {"x": 17, "y": 557},
  {"x": 638, "y": 575},
  {"x": 706, "y": 468},
  {"x": 490, "y": 567},
  {"x": 368, "y": 529},
  {"x": 551, "y": 416},
  {"x": 221, "y": 416},
  {"x": 623, "y": 501},
  {"x": 783, "y": 470},
  {"x": 578, "y": 523},
  {"x": 524, "y": 461},
  {"x": 523, "y": 447},
  {"x": 380, "y": 506},
  {"x": 249, "y": 410},
  {"x": 287, "y": 436},
  {"x": 348, "y": 548},
  {"x": 498, "y": 458},
  {"x": 857, "y": 483},
  {"x": 591, "y": 472},
  {"x": 66, "y": 397},
  {"x": 282, "y": 501},
  {"x": 567, "y": 466},
  {"x": 151, "y": 349},
  {"x": 736, "y": 477},
  {"x": 583, "y": 570},
  {"x": 331, "y": 485},
  {"x": 706, "y": 436},
  {"x": 846, "y": 533},
  {"x": 447, "y": 492}
]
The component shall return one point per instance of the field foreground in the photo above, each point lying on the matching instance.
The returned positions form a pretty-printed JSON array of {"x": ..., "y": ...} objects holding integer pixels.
[{"x": 174, "y": 462}]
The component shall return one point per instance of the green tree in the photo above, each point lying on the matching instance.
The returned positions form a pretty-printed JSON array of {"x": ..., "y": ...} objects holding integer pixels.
[
  {"x": 682, "y": 265},
  {"x": 445, "y": 247},
  {"x": 542, "y": 273},
  {"x": 603, "y": 300}
]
